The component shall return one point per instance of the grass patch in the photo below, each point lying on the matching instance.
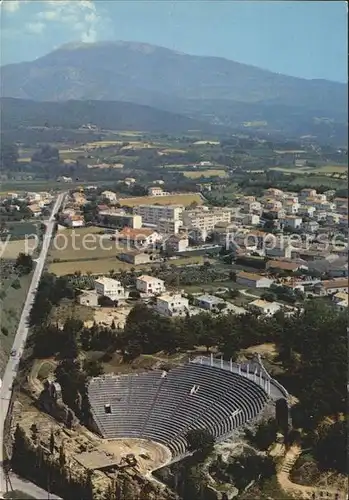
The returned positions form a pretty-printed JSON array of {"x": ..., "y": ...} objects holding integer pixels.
[
  {"x": 205, "y": 173},
  {"x": 45, "y": 370},
  {"x": 10, "y": 311},
  {"x": 331, "y": 169},
  {"x": 11, "y": 249},
  {"x": 70, "y": 309},
  {"x": 175, "y": 199},
  {"x": 83, "y": 244}
]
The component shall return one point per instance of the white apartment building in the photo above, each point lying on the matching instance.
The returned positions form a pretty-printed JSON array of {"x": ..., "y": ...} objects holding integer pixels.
[
  {"x": 149, "y": 285},
  {"x": 120, "y": 220},
  {"x": 204, "y": 218},
  {"x": 172, "y": 305},
  {"x": 152, "y": 214},
  {"x": 169, "y": 226},
  {"x": 109, "y": 287}
]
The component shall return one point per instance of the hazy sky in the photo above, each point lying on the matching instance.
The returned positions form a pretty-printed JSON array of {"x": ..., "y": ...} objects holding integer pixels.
[{"x": 300, "y": 38}]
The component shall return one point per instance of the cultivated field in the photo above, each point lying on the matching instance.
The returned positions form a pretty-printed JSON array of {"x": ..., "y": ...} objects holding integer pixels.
[
  {"x": 205, "y": 173},
  {"x": 175, "y": 199},
  {"x": 83, "y": 243},
  {"x": 203, "y": 143},
  {"x": 103, "y": 266},
  {"x": 330, "y": 169},
  {"x": 11, "y": 249}
]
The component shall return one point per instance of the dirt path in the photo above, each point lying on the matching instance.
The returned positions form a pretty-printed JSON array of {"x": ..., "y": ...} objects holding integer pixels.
[
  {"x": 300, "y": 491},
  {"x": 34, "y": 382}
]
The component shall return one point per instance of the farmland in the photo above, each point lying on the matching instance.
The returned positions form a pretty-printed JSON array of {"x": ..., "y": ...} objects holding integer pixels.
[
  {"x": 205, "y": 173},
  {"x": 103, "y": 266},
  {"x": 11, "y": 249},
  {"x": 173, "y": 199}
]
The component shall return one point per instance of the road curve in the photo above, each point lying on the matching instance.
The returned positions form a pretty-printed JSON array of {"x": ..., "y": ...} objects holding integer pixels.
[{"x": 21, "y": 338}]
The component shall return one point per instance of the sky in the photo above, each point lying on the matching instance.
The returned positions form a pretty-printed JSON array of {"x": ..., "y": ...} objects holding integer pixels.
[{"x": 307, "y": 39}]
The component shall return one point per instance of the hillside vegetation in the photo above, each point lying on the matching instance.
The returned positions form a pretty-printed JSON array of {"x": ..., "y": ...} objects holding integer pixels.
[{"x": 213, "y": 89}]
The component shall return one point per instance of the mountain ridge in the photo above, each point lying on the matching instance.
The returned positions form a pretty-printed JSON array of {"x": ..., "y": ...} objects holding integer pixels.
[
  {"x": 114, "y": 115},
  {"x": 205, "y": 88}
]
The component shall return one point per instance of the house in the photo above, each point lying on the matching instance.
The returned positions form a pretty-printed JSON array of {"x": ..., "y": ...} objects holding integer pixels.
[
  {"x": 307, "y": 193},
  {"x": 251, "y": 280},
  {"x": 172, "y": 305},
  {"x": 279, "y": 250},
  {"x": 138, "y": 237},
  {"x": 35, "y": 210},
  {"x": 265, "y": 307},
  {"x": 137, "y": 258},
  {"x": 251, "y": 219},
  {"x": 109, "y": 287},
  {"x": 340, "y": 297},
  {"x": 308, "y": 210},
  {"x": 291, "y": 208},
  {"x": 335, "y": 268},
  {"x": 62, "y": 178},
  {"x": 74, "y": 221},
  {"x": 329, "y": 287},
  {"x": 155, "y": 191},
  {"x": 88, "y": 298},
  {"x": 109, "y": 195},
  {"x": 149, "y": 285},
  {"x": 210, "y": 302},
  {"x": 284, "y": 265},
  {"x": 129, "y": 181},
  {"x": 311, "y": 226},
  {"x": 176, "y": 243},
  {"x": 274, "y": 192},
  {"x": 291, "y": 221}
]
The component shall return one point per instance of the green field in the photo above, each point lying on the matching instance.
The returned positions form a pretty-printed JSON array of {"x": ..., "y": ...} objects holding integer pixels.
[
  {"x": 103, "y": 266},
  {"x": 175, "y": 199},
  {"x": 205, "y": 173},
  {"x": 10, "y": 311},
  {"x": 18, "y": 230}
]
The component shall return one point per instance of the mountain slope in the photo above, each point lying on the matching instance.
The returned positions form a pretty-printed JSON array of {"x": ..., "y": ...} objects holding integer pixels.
[
  {"x": 130, "y": 71},
  {"x": 17, "y": 113},
  {"x": 210, "y": 89}
]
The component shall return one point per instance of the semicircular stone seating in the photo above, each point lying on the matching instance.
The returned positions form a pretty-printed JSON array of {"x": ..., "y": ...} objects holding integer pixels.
[{"x": 164, "y": 407}]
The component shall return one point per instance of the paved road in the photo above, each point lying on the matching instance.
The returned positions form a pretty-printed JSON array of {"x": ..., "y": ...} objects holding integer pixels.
[{"x": 21, "y": 335}]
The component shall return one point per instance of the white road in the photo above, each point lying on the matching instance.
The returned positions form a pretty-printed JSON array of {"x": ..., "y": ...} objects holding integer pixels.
[{"x": 21, "y": 335}]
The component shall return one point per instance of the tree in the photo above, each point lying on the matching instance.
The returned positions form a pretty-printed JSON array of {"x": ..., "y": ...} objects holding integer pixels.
[
  {"x": 264, "y": 435},
  {"x": 268, "y": 296},
  {"x": 200, "y": 440},
  {"x": 52, "y": 442},
  {"x": 24, "y": 263},
  {"x": 331, "y": 448},
  {"x": 93, "y": 368},
  {"x": 104, "y": 301},
  {"x": 46, "y": 154}
]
